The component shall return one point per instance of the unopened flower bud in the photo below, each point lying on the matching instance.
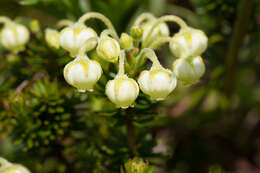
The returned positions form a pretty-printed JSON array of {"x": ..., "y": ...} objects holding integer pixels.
[
  {"x": 126, "y": 41},
  {"x": 188, "y": 42},
  {"x": 35, "y": 26},
  {"x": 136, "y": 32},
  {"x": 161, "y": 30},
  {"x": 189, "y": 70},
  {"x": 158, "y": 83},
  {"x": 108, "y": 49},
  {"x": 122, "y": 91},
  {"x": 52, "y": 38},
  {"x": 14, "y": 37},
  {"x": 14, "y": 168},
  {"x": 137, "y": 165},
  {"x": 72, "y": 38},
  {"x": 82, "y": 73}
]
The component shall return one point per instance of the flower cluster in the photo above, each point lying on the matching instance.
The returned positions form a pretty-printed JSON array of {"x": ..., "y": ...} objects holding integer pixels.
[
  {"x": 188, "y": 45},
  {"x": 147, "y": 34}
]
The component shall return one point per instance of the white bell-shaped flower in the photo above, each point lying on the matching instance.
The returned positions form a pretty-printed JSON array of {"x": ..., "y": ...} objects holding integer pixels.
[
  {"x": 82, "y": 73},
  {"x": 189, "y": 70},
  {"x": 188, "y": 42},
  {"x": 161, "y": 30},
  {"x": 52, "y": 38},
  {"x": 158, "y": 83},
  {"x": 14, "y": 37},
  {"x": 14, "y": 168},
  {"x": 108, "y": 49},
  {"x": 72, "y": 38},
  {"x": 122, "y": 91}
]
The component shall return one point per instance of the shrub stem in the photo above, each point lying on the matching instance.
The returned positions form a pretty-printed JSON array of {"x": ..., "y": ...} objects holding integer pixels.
[
  {"x": 239, "y": 32},
  {"x": 131, "y": 136}
]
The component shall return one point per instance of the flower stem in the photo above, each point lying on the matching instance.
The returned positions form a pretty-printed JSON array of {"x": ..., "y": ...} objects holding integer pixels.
[
  {"x": 101, "y": 17},
  {"x": 143, "y": 17},
  {"x": 131, "y": 136},
  {"x": 147, "y": 53},
  {"x": 88, "y": 45},
  {"x": 106, "y": 32},
  {"x": 121, "y": 71},
  {"x": 167, "y": 18},
  {"x": 64, "y": 22},
  {"x": 159, "y": 41}
]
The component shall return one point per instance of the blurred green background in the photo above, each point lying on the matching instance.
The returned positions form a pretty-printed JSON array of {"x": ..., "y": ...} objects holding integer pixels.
[{"x": 213, "y": 126}]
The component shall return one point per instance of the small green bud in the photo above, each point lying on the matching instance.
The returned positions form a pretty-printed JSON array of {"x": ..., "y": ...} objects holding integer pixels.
[
  {"x": 137, "y": 165},
  {"x": 126, "y": 41},
  {"x": 52, "y": 38},
  {"x": 35, "y": 26},
  {"x": 12, "y": 58},
  {"x": 135, "y": 51},
  {"x": 136, "y": 32},
  {"x": 108, "y": 49}
]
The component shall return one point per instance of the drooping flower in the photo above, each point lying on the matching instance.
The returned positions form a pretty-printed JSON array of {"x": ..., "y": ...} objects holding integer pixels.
[
  {"x": 82, "y": 73},
  {"x": 122, "y": 91},
  {"x": 189, "y": 70},
  {"x": 14, "y": 168},
  {"x": 108, "y": 49},
  {"x": 8, "y": 167},
  {"x": 14, "y": 37},
  {"x": 158, "y": 83},
  {"x": 188, "y": 42},
  {"x": 72, "y": 38},
  {"x": 161, "y": 30}
]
